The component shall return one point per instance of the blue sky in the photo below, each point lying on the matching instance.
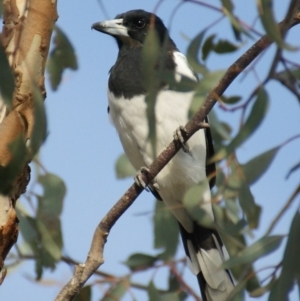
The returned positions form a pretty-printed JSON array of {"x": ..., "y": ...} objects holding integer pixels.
[{"x": 82, "y": 145}]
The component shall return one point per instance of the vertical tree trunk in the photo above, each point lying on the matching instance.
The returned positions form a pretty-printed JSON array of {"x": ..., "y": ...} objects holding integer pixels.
[{"x": 26, "y": 35}]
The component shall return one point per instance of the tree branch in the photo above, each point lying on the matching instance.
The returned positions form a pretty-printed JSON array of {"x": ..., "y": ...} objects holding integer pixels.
[
  {"x": 95, "y": 255},
  {"x": 27, "y": 29}
]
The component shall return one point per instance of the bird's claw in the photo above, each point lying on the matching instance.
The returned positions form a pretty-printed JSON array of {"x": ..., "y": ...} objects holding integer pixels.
[
  {"x": 178, "y": 137},
  {"x": 138, "y": 177}
]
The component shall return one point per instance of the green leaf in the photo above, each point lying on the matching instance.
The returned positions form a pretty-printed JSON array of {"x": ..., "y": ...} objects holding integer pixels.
[
  {"x": 221, "y": 46},
  {"x": 224, "y": 46},
  {"x": 7, "y": 80},
  {"x": 228, "y": 5},
  {"x": 170, "y": 297},
  {"x": 150, "y": 54},
  {"x": 85, "y": 294},
  {"x": 193, "y": 52},
  {"x": 186, "y": 84},
  {"x": 256, "y": 116},
  {"x": 220, "y": 130},
  {"x": 248, "y": 205},
  {"x": 262, "y": 247},
  {"x": 166, "y": 232},
  {"x": 124, "y": 168},
  {"x": 257, "y": 166},
  {"x": 238, "y": 187},
  {"x": 290, "y": 264},
  {"x": 153, "y": 293},
  {"x": 28, "y": 229},
  {"x": 262, "y": 290},
  {"x": 48, "y": 214},
  {"x": 209, "y": 80},
  {"x": 31, "y": 235},
  {"x": 265, "y": 8},
  {"x": 254, "y": 120},
  {"x": 236, "y": 26},
  {"x": 54, "y": 193},
  {"x": 192, "y": 201},
  {"x": 117, "y": 291},
  {"x": 208, "y": 46},
  {"x": 61, "y": 57},
  {"x": 39, "y": 131},
  {"x": 231, "y": 100},
  {"x": 139, "y": 261}
]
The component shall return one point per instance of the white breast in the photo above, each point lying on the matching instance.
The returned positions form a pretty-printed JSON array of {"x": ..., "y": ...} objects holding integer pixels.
[{"x": 129, "y": 118}]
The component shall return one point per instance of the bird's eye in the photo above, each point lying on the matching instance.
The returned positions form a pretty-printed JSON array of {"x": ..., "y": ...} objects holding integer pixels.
[{"x": 140, "y": 23}]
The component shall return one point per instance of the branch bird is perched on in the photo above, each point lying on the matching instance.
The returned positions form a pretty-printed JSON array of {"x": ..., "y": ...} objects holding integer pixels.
[{"x": 126, "y": 94}]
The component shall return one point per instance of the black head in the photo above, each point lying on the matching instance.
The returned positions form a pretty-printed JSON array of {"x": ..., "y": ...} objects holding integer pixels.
[{"x": 131, "y": 28}]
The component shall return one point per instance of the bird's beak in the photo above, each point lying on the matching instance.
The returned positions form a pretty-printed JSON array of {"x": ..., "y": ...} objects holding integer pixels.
[{"x": 112, "y": 27}]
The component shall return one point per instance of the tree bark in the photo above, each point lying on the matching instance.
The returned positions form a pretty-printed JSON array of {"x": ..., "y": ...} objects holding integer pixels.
[{"x": 26, "y": 35}]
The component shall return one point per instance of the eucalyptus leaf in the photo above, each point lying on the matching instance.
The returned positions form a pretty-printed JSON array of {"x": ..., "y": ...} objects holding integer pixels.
[
  {"x": 231, "y": 100},
  {"x": 235, "y": 24},
  {"x": 237, "y": 186},
  {"x": 153, "y": 293},
  {"x": 265, "y": 8},
  {"x": 31, "y": 235},
  {"x": 209, "y": 80},
  {"x": 117, "y": 291},
  {"x": 262, "y": 247},
  {"x": 208, "y": 46},
  {"x": 224, "y": 46},
  {"x": 250, "y": 208},
  {"x": 48, "y": 214},
  {"x": 61, "y": 57},
  {"x": 290, "y": 265},
  {"x": 192, "y": 201},
  {"x": 150, "y": 55},
  {"x": 85, "y": 294},
  {"x": 39, "y": 131},
  {"x": 262, "y": 290},
  {"x": 193, "y": 53},
  {"x": 139, "y": 261},
  {"x": 257, "y": 166},
  {"x": 170, "y": 297},
  {"x": 255, "y": 118},
  {"x": 124, "y": 168},
  {"x": 166, "y": 232}
]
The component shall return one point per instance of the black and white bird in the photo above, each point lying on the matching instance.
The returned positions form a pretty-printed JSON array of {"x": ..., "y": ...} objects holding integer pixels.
[{"x": 126, "y": 94}]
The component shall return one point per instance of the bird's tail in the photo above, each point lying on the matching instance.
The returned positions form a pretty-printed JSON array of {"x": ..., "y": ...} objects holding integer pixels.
[{"x": 206, "y": 252}]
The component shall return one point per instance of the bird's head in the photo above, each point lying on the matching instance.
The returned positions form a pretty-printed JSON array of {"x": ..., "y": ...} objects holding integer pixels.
[{"x": 131, "y": 28}]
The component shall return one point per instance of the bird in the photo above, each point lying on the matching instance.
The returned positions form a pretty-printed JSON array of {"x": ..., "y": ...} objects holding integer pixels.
[{"x": 127, "y": 92}]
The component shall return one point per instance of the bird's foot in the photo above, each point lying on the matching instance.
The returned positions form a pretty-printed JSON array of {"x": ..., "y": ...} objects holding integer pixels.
[
  {"x": 178, "y": 137},
  {"x": 138, "y": 177}
]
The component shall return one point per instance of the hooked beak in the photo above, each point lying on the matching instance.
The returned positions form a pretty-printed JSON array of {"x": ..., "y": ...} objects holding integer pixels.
[{"x": 112, "y": 27}]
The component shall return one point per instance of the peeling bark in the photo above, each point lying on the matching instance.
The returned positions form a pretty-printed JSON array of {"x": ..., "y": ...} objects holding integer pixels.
[{"x": 26, "y": 35}]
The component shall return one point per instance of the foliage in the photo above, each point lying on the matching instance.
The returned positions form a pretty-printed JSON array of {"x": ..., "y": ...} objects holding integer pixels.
[
  {"x": 61, "y": 57},
  {"x": 236, "y": 212}
]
